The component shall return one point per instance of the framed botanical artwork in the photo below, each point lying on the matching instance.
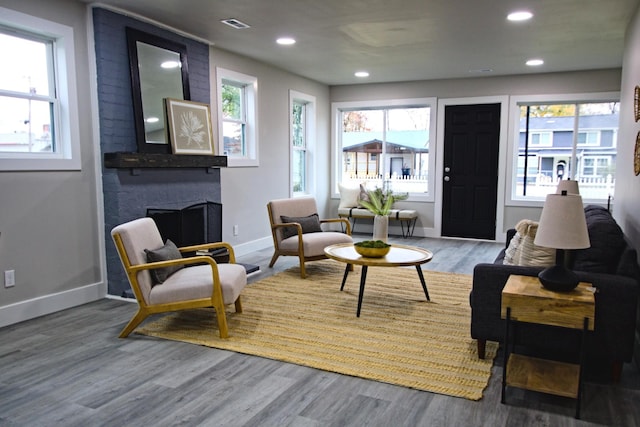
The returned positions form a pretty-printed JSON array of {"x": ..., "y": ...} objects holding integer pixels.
[
  {"x": 189, "y": 127},
  {"x": 636, "y": 156},
  {"x": 636, "y": 103}
]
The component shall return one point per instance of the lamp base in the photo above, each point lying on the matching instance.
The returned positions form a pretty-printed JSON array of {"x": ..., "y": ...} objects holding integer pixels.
[{"x": 558, "y": 279}]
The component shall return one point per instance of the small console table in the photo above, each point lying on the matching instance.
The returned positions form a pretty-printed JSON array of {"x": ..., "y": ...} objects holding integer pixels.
[{"x": 524, "y": 299}]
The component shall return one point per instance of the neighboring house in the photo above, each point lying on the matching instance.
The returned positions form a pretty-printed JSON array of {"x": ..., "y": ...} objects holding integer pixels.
[{"x": 550, "y": 148}]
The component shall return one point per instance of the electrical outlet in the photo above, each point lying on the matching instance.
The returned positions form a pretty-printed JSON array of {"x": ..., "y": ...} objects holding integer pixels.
[
  {"x": 9, "y": 278},
  {"x": 235, "y": 230}
]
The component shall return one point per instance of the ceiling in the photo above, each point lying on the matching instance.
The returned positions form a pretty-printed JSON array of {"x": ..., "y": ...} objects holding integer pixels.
[{"x": 404, "y": 40}]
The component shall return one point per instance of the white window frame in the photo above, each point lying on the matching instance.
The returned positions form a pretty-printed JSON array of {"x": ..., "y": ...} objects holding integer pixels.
[
  {"x": 514, "y": 135},
  {"x": 541, "y": 136},
  {"x": 596, "y": 143},
  {"x": 66, "y": 121},
  {"x": 595, "y": 164},
  {"x": 309, "y": 102},
  {"x": 336, "y": 138},
  {"x": 250, "y": 86}
]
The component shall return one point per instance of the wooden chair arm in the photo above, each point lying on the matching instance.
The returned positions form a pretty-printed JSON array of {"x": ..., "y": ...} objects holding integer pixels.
[
  {"x": 342, "y": 220},
  {"x": 190, "y": 260}
]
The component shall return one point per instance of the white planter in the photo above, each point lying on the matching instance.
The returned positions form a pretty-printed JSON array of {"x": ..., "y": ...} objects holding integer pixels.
[{"x": 381, "y": 227}]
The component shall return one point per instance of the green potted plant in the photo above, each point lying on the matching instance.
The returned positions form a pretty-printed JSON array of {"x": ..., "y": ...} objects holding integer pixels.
[{"x": 380, "y": 204}]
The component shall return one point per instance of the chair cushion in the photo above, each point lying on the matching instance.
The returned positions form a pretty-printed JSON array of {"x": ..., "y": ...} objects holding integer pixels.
[
  {"x": 167, "y": 252},
  {"x": 314, "y": 243},
  {"x": 196, "y": 282},
  {"x": 309, "y": 224}
]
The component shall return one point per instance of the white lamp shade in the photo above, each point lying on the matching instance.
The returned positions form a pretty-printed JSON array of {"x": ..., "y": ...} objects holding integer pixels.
[
  {"x": 568, "y": 185},
  {"x": 563, "y": 224}
]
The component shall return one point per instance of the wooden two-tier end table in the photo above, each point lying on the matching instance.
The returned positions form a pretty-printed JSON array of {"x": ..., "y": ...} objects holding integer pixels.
[
  {"x": 524, "y": 299},
  {"x": 398, "y": 256}
]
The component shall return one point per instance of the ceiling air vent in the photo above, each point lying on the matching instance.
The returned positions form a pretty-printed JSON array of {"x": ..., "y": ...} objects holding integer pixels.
[{"x": 234, "y": 23}]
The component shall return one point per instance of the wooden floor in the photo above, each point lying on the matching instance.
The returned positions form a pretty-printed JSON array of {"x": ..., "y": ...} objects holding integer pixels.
[{"x": 70, "y": 369}]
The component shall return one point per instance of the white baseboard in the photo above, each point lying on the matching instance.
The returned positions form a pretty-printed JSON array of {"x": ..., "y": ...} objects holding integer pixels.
[
  {"x": 47, "y": 304},
  {"x": 252, "y": 246}
]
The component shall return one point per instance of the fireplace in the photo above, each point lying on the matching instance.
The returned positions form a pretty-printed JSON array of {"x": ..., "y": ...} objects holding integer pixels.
[{"x": 193, "y": 225}]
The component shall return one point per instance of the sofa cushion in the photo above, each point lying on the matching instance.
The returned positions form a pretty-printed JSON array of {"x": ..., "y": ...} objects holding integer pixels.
[
  {"x": 607, "y": 242},
  {"x": 309, "y": 224},
  {"x": 167, "y": 252},
  {"x": 522, "y": 250}
]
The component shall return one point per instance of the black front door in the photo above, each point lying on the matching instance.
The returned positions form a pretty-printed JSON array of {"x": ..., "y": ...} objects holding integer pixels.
[{"x": 471, "y": 144}]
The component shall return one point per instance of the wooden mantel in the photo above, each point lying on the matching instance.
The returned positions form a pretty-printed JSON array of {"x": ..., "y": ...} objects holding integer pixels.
[{"x": 122, "y": 160}]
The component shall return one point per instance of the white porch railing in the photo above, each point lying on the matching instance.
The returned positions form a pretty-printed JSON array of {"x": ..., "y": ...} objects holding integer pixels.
[
  {"x": 397, "y": 183},
  {"x": 590, "y": 187}
]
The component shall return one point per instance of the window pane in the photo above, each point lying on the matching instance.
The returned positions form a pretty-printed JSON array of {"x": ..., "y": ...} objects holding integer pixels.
[
  {"x": 233, "y": 139},
  {"x": 298, "y": 125},
  {"x": 232, "y": 102},
  {"x": 25, "y": 126},
  {"x": 590, "y": 159},
  {"x": 299, "y": 171},
  {"x": 29, "y": 71}
]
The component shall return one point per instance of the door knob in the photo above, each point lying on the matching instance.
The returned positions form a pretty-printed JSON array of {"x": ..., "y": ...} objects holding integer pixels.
[
  {"x": 447, "y": 169},
  {"x": 446, "y": 178}
]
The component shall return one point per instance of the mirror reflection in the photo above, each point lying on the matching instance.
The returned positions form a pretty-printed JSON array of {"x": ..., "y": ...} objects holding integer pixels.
[
  {"x": 158, "y": 71},
  {"x": 160, "y": 77}
]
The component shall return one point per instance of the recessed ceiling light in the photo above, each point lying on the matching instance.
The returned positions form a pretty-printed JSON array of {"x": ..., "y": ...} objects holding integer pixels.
[
  {"x": 535, "y": 62},
  {"x": 520, "y": 15},
  {"x": 152, "y": 120},
  {"x": 361, "y": 74},
  {"x": 286, "y": 41},
  {"x": 170, "y": 64}
]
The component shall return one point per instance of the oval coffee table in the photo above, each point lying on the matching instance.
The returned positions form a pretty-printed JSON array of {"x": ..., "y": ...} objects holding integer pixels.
[{"x": 398, "y": 256}]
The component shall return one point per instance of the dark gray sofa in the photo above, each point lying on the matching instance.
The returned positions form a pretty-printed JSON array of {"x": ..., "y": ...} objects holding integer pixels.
[{"x": 610, "y": 264}]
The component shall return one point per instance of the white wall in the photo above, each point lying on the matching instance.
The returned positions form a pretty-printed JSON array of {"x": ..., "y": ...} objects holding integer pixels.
[
  {"x": 627, "y": 194},
  {"x": 49, "y": 221},
  {"x": 246, "y": 190}
]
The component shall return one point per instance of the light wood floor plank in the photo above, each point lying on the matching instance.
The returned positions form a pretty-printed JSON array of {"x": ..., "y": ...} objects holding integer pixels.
[{"x": 70, "y": 369}]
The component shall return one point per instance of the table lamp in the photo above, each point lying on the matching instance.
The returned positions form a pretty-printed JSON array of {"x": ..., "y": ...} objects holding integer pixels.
[
  {"x": 568, "y": 185},
  {"x": 562, "y": 226}
]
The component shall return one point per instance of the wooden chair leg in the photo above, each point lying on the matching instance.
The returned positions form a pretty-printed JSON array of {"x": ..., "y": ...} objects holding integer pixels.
[
  {"x": 274, "y": 258},
  {"x": 238, "y": 305},
  {"x": 616, "y": 371},
  {"x": 303, "y": 272},
  {"x": 134, "y": 322},
  {"x": 222, "y": 322}
]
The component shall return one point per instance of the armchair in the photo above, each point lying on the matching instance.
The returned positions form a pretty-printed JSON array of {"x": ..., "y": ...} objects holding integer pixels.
[
  {"x": 296, "y": 230},
  {"x": 197, "y": 282}
]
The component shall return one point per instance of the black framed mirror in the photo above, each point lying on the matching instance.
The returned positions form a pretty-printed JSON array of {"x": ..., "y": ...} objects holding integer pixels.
[{"x": 159, "y": 70}]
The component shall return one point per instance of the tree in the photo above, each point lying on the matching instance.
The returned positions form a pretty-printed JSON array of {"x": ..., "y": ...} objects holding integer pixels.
[{"x": 354, "y": 121}]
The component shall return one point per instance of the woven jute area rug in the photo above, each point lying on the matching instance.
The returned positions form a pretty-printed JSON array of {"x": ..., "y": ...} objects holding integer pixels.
[{"x": 400, "y": 338}]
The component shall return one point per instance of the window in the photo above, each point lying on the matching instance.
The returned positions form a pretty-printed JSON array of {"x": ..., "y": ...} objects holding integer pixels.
[
  {"x": 565, "y": 139},
  {"x": 38, "y": 125},
  {"x": 302, "y": 133},
  {"x": 386, "y": 144},
  {"x": 237, "y": 117}
]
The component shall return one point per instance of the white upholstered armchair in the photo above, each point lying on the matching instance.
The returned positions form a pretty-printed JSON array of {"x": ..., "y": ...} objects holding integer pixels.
[
  {"x": 297, "y": 230},
  {"x": 170, "y": 282}
]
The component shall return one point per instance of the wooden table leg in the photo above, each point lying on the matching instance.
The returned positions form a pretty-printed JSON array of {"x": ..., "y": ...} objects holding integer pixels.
[
  {"x": 346, "y": 273},
  {"x": 424, "y": 285},
  {"x": 363, "y": 278}
]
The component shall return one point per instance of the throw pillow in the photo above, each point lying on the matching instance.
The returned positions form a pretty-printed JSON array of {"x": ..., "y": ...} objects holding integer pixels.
[
  {"x": 522, "y": 251},
  {"x": 168, "y": 252},
  {"x": 349, "y": 196},
  {"x": 364, "y": 195},
  {"x": 309, "y": 224}
]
